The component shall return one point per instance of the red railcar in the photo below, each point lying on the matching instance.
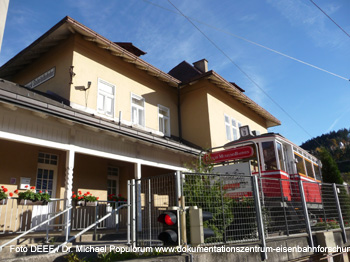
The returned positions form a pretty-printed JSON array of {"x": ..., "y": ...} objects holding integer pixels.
[{"x": 279, "y": 163}]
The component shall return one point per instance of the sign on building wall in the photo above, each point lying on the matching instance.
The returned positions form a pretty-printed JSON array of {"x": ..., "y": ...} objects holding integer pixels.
[
  {"x": 24, "y": 183},
  {"x": 42, "y": 78}
]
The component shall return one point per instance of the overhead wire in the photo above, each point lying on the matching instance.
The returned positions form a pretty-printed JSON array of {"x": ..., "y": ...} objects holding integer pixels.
[
  {"x": 241, "y": 70},
  {"x": 329, "y": 18},
  {"x": 250, "y": 41}
]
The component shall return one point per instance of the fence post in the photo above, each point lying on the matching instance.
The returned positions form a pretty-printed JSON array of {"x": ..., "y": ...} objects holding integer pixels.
[
  {"x": 181, "y": 209},
  {"x": 223, "y": 210},
  {"x": 129, "y": 214},
  {"x": 259, "y": 217},
  {"x": 340, "y": 215},
  {"x": 150, "y": 212},
  {"x": 133, "y": 213},
  {"x": 306, "y": 214}
]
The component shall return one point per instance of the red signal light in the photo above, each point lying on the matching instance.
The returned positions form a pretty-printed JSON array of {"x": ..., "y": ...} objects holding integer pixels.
[{"x": 167, "y": 218}]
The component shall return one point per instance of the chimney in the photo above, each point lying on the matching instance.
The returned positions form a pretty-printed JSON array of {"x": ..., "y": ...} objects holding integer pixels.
[{"x": 201, "y": 65}]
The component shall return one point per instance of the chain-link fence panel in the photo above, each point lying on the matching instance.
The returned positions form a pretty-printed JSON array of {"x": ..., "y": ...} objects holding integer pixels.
[
  {"x": 229, "y": 199},
  {"x": 344, "y": 200},
  {"x": 154, "y": 195},
  {"x": 281, "y": 206}
]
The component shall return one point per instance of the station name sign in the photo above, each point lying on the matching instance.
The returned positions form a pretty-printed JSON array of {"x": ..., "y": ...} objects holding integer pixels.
[
  {"x": 229, "y": 154},
  {"x": 42, "y": 78}
]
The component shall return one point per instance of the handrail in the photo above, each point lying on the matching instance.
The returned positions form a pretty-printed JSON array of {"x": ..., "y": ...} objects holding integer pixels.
[
  {"x": 33, "y": 228},
  {"x": 86, "y": 229}
]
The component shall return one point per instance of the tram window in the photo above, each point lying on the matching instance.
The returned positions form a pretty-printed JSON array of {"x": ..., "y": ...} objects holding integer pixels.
[
  {"x": 309, "y": 170},
  {"x": 317, "y": 172},
  {"x": 300, "y": 164},
  {"x": 280, "y": 157},
  {"x": 269, "y": 155}
]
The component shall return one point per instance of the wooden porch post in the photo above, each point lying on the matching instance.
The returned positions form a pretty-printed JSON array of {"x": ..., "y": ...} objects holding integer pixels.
[{"x": 68, "y": 190}]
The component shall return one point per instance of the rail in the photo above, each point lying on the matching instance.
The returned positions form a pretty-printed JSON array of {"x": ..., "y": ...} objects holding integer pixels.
[
  {"x": 88, "y": 228},
  {"x": 35, "y": 227}
]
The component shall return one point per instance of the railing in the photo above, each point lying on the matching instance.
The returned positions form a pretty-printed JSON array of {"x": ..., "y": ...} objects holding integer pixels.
[
  {"x": 16, "y": 218},
  {"x": 83, "y": 216},
  {"x": 36, "y": 227},
  {"x": 244, "y": 208},
  {"x": 95, "y": 224}
]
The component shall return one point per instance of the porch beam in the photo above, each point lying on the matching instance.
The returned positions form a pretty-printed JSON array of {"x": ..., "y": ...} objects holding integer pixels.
[{"x": 78, "y": 149}]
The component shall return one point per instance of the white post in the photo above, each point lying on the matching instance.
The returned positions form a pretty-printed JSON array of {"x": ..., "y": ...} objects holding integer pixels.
[
  {"x": 68, "y": 189},
  {"x": 138, "y": 195}
]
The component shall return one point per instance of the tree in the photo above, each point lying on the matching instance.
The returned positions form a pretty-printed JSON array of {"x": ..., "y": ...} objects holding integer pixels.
[{"x": 330, "y": 171}]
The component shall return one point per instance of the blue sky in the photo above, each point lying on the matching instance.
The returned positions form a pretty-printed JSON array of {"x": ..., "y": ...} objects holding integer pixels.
[{"x": 316, "y": 100}]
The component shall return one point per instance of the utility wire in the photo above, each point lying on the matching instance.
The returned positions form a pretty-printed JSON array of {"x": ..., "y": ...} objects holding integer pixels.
[
  {"x": 247, "y": 40},
  {"x": 329, "y": 18},
  {"x": 240, "y": 69}
]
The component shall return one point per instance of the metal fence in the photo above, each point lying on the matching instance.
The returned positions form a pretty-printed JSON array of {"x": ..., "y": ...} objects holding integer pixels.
[
  {"x": 18, "y": 218},
  {"x": 83, "y": 216},
  {"x": 234, "y": 213},
  {"x": 244, "y": 208},
  {"x": 150, "y": 197}
]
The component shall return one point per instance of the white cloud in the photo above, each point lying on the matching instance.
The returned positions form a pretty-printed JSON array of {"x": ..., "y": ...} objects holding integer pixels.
[{"x": 311, "y": 20}]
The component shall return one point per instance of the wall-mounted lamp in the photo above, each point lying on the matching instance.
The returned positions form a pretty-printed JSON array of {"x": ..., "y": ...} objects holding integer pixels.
[{"x": 88, "y": 85}]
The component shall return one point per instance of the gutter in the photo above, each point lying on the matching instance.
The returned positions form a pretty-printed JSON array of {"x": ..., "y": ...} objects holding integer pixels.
[{"x": 89, "y": 120}]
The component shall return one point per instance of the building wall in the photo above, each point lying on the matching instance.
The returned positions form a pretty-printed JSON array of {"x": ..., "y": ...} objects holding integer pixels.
[
  {"x": 59, "y": 57},
  {"x": 91, "y": 63},
  {"x": 203, "y": 108},
  {"x": 21, "y": 160},
  {"x": 221, "y": 104},
  {"x": 195, "y": 115}
]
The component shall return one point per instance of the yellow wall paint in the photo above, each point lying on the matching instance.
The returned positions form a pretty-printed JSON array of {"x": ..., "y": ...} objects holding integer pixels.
[
  {"x": 195, "y": 116},
  {"x": 21, "y": 160},
  {"x": 219, "y": 104},
  {"x": 203, "y": 106},
  {"x": 91, "y": 63},
  {"x": 59, "y": 57}
]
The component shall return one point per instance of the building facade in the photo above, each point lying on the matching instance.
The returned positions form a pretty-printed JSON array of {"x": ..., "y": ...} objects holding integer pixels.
[{"x": 82, "y": 113}]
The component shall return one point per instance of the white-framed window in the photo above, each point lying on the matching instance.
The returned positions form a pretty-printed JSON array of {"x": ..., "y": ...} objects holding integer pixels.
[
  {"x": 164, "y": 120},
  {"x": 113, "y": 180},
  {"x": 228, "y": 128},
  {"x": 46, "y": 173},
  {"x": 137, "y": 110},
  {"x": 105, "y": 98},
  {"x": 232, "y": 128}
]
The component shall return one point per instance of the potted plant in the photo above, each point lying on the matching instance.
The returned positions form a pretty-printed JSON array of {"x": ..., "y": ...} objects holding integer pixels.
[
  {"x": 78, "y": 199},
  {"x": 116, "y": 198},
  {"x": 86, "y": 199},
  {"x": 4, "y": 196},
  {"x": 31, "y": 197}
]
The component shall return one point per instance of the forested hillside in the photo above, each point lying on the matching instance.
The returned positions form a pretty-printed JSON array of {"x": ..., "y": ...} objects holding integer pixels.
[{"x": 338, "y": 145}]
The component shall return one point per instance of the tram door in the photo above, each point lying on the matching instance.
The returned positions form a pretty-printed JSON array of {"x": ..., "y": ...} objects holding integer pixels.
[
  {"x": 288, "y": 166},
  {"x": 282, "y": 156}
]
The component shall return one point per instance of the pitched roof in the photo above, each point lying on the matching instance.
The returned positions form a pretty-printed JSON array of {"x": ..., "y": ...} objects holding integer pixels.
[
  {"x": 62, "y": 30},
  {"x": 188, "y": 74}
]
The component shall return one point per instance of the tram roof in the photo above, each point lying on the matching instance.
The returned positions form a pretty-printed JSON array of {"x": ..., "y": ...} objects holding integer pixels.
[{"x": 272, "y": 136}]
